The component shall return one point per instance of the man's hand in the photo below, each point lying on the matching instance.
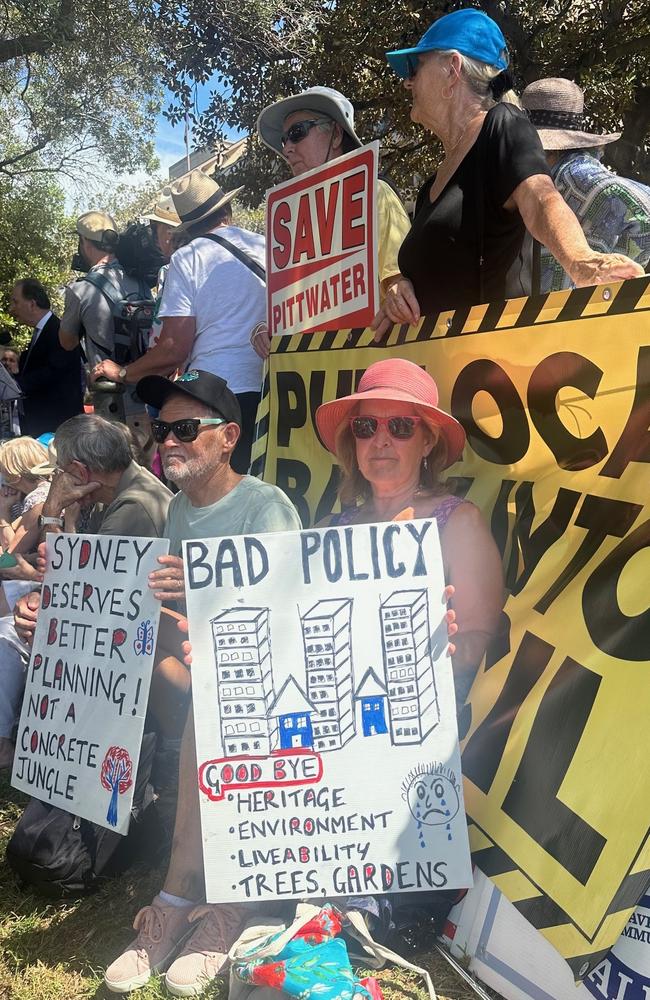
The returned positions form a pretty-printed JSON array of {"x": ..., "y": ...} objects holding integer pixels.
[
  {"x": 168, "y": 584},
  {"x": 261, "y": 340},
  {"x": 23, "y": 570},
  {"x": 400, "y": 306},
  {"x": 65, "y": 490},
  {"x": 106, "y": 369},
  {"x": 25, "y": 615}
]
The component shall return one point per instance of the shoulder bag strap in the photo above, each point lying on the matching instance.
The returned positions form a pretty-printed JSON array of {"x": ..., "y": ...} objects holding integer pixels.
[{"x": 240, "y": 254}]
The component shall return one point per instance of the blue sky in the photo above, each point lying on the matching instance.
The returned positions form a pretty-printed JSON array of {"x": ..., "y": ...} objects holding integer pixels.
[{"x": 170, "y": 143}]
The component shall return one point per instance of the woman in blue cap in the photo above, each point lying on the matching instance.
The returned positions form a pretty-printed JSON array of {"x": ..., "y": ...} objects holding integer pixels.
[{"x": 469, "y": 243}]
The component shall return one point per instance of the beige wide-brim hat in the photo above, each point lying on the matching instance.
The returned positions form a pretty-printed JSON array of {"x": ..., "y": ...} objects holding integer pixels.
[
  {"x": 317, "y": 100},
  {"x": 196, "y": 196},
  {"x": 556, "y": 108},
  {"x": 163, "y": 210}
]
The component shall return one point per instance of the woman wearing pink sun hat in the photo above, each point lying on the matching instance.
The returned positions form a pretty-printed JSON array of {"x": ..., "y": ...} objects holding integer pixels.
[{"x": 393, "y": 441}]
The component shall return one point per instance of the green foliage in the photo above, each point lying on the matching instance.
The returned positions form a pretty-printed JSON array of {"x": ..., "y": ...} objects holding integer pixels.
[
  {"x": 79, "y": 80},
  {"x": 603, "y": 46},
  {"x": 37, "y": 240}
]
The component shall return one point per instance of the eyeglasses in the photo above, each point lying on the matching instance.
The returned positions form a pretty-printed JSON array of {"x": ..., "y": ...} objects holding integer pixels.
[
  {"x": 299, "y": 131},
  {"x": 184, "y": 430},
  {"x": 401, "y": 428}
]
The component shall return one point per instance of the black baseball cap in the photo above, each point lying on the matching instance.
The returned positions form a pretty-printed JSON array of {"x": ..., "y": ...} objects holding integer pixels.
[{"x": 203, "y": 386}]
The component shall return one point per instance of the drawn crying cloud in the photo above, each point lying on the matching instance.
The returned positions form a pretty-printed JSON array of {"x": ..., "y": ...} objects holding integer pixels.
[{"x": 431, "y": 792}]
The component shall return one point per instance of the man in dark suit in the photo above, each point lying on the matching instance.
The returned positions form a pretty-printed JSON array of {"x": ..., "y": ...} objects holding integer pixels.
[{"x": 49, "y": 376}]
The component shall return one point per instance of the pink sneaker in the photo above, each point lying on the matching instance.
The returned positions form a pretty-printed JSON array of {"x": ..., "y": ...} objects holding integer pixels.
[
  {"x": 162, "y": 930},
  {"x": 205, "y": 953}
]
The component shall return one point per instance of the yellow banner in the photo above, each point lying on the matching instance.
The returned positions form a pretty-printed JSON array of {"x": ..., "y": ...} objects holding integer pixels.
[{"x": 555, "y": 398}]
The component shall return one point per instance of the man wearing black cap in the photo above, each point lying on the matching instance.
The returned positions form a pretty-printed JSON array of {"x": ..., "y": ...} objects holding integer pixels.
[{"x": 197, "y": 432}]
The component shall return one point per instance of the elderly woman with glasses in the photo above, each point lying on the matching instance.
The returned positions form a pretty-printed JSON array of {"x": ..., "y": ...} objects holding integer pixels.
[
  {"x": 25, "y": 471},
  {"x": 469, "y": 243},
  {"x": 392, "y": 442},
  {"x": 310, "y": 129}
]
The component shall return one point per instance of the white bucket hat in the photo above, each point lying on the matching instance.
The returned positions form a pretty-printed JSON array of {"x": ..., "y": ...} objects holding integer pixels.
[
  {"x": 556, "y": 108},
  {"x": 196, "y": 196},
  {"x": 321, "y": 100}
]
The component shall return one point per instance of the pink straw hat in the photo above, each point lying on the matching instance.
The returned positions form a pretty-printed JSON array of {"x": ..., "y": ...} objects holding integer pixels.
[{"x": 399, "y": 380}]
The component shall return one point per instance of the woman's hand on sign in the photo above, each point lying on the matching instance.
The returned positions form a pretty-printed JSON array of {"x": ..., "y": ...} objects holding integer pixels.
[
  {"x": 399, "y": 306},
  {"x": 600, "y": 268},
  {"x": 183, "y": 626},
  {"x": 25, "y": 615},
  {"x": 168, "y": 583},
  {"x": 261, "y": 340},
  {"x": 450, "y": 618}
]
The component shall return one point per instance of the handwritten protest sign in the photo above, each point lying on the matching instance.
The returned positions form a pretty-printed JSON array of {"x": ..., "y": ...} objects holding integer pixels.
[
  {"x": 83, "y": 712},
  {"x": 321, "y": 249},
  {"x": 324, "y": 713}
]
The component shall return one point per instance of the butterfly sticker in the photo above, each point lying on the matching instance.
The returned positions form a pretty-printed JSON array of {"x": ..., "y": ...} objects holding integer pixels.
[{"x": 143, "y": 643}]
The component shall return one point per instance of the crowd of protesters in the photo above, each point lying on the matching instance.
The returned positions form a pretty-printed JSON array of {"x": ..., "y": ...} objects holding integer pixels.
[{"x": 172, "y": 366}]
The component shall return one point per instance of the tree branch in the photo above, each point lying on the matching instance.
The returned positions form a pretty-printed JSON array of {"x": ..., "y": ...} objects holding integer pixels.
[{"x": 39, "y": 42}]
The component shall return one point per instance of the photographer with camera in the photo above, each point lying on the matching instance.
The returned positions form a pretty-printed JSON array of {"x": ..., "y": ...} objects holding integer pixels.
[{"x": 108, "y": 312}]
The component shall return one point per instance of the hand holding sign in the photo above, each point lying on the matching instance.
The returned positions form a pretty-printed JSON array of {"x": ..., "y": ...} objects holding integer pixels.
[
  {"x": 400, "y": 306},
  {"x": 168, "y": 583}
]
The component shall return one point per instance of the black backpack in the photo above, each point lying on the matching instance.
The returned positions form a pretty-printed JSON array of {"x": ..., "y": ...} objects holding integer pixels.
[
  {"x": 133, "y": 316},
  {"x": 59, "y": 855}
]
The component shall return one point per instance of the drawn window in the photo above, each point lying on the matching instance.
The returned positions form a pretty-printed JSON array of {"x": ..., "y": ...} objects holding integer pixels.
[
  {"x": 254, "y": 727},
  {"x": 399, "y": 731},
  {"x": 239, "y": 709},
  {"x": 239, "y": 690},
  {"x": 239, "y": 674},
  {"x": 331, "y": 711},
  {"x": 242, "y": 627},
  {"x": 232, "y": 748},
  {"x": 250, "y": 671},
  {"x": 250, "y": 689},
  {"x": 228, "y": 730},
  {"x": 225, "y": 675},
  {"x": 287, "y": 723},
  {"x": 245, "y": 746},
  {"x": 241, "y": 728},
  {"x": 256, "y": 745},
  {"x": 332, "y": 743},
  {"x": 250, "y": 708},
  {"x": 227, "y": 709}
]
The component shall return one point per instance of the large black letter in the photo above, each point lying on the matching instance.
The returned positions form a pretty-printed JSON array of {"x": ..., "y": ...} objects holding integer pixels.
[
  {"x": 487, "y": 376},
  {"x": 634, "y": 443}
]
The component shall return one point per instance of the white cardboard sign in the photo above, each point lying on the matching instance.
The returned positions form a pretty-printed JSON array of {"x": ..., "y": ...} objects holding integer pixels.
[
  {"x": 82, "y": 719},
  {"x": 324, "y": 710}
]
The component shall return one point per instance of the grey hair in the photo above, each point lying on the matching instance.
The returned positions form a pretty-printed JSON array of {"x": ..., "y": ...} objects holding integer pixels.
[
  {"x": 100, "y": 445},
  {"x": 479, "y": 75}
]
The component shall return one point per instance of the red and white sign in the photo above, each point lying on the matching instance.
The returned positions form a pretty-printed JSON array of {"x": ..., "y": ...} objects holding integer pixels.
[{"x": 321, "y": 248}]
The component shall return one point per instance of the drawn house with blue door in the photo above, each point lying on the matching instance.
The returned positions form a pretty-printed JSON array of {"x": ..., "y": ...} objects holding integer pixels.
[
  {"x": 293, "y": 713},
  {"x": 372, "y": 694}
]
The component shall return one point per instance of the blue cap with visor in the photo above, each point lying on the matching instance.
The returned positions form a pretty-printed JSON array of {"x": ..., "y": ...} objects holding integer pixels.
[{"x": 468, "y": 31}]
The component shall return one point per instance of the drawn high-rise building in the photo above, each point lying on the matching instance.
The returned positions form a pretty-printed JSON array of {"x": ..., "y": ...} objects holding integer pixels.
[
  {"x": 244, "y": 680},
  {"x": 412, "y": 696},
  {"x": 326, "y": 632}
]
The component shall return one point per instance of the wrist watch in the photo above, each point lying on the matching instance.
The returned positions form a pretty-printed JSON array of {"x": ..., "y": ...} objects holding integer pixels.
[
  {"x": 122, "y": 374},
  {"x": 43, "y": 521}
]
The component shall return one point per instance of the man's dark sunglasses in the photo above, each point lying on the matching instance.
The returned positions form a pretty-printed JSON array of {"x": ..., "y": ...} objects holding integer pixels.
[
  {"x": 299, "y": 131},
  {"x": 184, "y": 430}
]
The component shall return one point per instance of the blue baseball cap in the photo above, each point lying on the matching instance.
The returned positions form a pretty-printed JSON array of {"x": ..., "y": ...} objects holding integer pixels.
[{"x": 469, "y": 31}]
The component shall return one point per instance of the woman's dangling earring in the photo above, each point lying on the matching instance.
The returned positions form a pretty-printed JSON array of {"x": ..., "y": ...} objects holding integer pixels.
[
  {"x": 425, "y": 464},
  {"x": 447, "y": 96}
]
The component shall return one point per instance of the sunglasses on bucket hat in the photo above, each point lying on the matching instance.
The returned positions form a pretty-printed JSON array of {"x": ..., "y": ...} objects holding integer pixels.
[
  {"x": 401, "y": 428},
  {"x": 184, "y": 430}
]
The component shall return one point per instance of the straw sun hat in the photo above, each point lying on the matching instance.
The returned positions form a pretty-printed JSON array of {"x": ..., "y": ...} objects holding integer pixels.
[
  {"x": 556, "y": 108},
  {"x": 196, "y": 196},
  {"x": 394, "y": 379}
]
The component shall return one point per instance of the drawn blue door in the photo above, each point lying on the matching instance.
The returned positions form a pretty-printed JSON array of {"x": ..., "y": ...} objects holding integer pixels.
[
  {"x": 373, "y": 716},
  {"x": 295, "y": 730}
]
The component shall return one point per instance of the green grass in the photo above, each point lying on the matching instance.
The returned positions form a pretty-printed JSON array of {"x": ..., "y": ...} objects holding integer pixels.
[{"x": 58, "y": 951}]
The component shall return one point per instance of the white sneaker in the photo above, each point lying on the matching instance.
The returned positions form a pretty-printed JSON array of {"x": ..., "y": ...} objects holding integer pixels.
[
  {"x": 162, "y": 930},
  {"x": 205, "y": 953}
]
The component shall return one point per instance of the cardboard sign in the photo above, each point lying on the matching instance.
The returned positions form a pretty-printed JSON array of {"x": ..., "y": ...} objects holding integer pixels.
[
  {"x": 553, "y": 394},
  {"x": 624, "y": 974},
  {"x": 81, "y": 724},
  {"x": 319, "y": 664},
  {"x": 321, "y": 246}
]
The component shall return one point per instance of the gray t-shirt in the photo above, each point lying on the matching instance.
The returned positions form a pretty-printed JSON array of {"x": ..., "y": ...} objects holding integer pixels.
[{"x": 252, "y": 507}]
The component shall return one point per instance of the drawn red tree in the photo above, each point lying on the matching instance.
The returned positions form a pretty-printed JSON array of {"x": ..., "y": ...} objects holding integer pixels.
[{"x": 116, "y": 778}]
